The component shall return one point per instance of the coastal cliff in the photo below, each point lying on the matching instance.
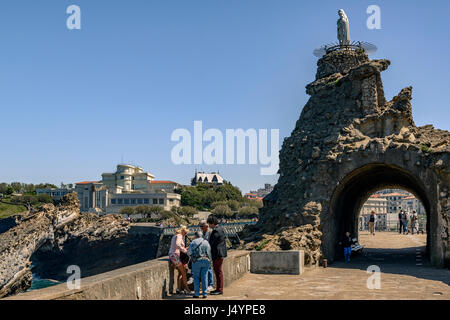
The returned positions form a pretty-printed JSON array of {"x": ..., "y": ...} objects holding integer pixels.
[{"x": 50, "y": 228}]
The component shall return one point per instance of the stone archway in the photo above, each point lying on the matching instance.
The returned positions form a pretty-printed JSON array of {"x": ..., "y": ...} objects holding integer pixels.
[
  {"x": 350, "y": 141},
  {"x": 357, "y": 186}
]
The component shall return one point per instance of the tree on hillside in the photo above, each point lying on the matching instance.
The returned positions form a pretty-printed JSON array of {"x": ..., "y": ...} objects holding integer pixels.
[
  {"x": 203, "y": 196},
  {"x": 219, "y": 203},
  {"x": 26, "y": 199},
  {"x": 222, "y": 210},
  {"x": 45, "y": 186},
  {"x": 210, "y": 196},
  {"x": 9, "y": 190},
  {"x": 253, "y": 203},
  {"x": 3, "y": 187},
  {"x": 234, "y": 205},
  {"x": 44, "y": 198},
  {"x": 32, "y": 199},
  {"x": 187, "y": 211},
  {"x": 128, "y": 211},
  {"x": 28, "y": 188},
  {"x": 191, "y": 196},
  {"x": 168, "y": 215},
  {"x": 156, "y": 210},
  {"x": 144, "y": 210},
  {"x": 17, "y": 186},
  {"x": 248, "y": 211}
]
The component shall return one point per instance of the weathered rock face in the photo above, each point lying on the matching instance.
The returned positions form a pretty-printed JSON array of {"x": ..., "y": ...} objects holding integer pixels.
[
  {"x": 348, "y": 143},
  {"x": 10, "y": 222},
  {"x": 50, "y": 225},
  {"x": 94, "y": 256},
  {"x": 335, "y": 62}
]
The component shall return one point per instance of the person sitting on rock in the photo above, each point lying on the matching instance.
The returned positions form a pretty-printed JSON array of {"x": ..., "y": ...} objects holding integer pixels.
[{"x": 347, "y": 244}]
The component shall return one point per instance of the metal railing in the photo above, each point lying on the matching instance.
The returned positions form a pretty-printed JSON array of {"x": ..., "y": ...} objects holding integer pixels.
[
  {"x": 230, "y": 229},
  {"x": 394, "y": 226}
]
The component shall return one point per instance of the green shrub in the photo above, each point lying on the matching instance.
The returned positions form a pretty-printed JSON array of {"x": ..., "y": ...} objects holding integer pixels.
[
  {"x": 425, "y": 149},
  {"x": 203, "y": 196},
  {"x": 187, "y": 211},
  {"x": 222, "y": 210},
  {"x": 247, "y": 211},
  {"x": 234, "y": 205},
  {"x": 252, "y": 203},
  {"x": 262, "y": 245},
  {"x": 127, "y": 211},
  {"x": 44, "y": 198},
  {"x": 219, "y": 203},
  {"x": 9, "y": 190}
]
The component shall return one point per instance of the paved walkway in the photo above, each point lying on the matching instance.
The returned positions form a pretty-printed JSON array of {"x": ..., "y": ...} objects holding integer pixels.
[{"x": 405, "y": 274}]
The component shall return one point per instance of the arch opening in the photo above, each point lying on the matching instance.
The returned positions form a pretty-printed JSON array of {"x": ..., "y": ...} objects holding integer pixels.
[{"x": 353, "y": 191}]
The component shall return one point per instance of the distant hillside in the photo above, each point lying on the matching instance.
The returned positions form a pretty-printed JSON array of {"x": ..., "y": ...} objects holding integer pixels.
[{"x": 203, "y": 196}]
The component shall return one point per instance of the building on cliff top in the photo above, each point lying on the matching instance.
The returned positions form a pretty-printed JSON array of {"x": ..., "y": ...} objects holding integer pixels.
[
  {"x": 127, "y": 187},
  {"x": 207, "y": 178},
  {"x": 253, "y": 196},
  {"x": 262, "y": 192}
]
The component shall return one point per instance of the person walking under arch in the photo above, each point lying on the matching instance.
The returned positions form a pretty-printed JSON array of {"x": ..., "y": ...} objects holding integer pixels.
[
  {"x": 372, "y": 219},
  {"x": 414, "y": 222},
  {"x": 400, "y": 221},
  {"x": 405, "y": 217}
]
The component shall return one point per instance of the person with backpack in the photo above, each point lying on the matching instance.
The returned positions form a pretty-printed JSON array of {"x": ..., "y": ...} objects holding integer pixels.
[
  {"x": 405, "y": 222},
  {"x": 206, "y": 231},
  {"x": 200, "y": 254}
]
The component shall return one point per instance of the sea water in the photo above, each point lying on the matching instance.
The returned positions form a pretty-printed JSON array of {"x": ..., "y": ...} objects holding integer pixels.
[{"x": 39, "y": 283}]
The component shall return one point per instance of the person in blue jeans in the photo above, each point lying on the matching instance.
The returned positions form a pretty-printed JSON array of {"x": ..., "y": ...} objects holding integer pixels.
[
  {"x": 200, "y": 253},
  {"x": 206, "y": 231},
  {"x": 347, "y": 244}
]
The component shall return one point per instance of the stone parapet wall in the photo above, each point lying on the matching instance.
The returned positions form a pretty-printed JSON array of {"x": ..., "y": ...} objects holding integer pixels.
[
  {"x": 151, "y": 280},
  {"x": 277, "y": 262}
]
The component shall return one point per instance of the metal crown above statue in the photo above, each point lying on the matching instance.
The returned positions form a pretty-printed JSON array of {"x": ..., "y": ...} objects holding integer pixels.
[{"x": 343, "y": 35}]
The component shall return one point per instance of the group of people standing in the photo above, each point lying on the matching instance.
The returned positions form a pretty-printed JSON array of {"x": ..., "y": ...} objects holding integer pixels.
[
  {"x": 206, "y": 253},
  {"x": 404, "y": 217}
]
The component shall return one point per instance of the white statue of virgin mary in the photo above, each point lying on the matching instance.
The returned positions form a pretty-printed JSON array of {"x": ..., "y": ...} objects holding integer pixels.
[{"x": 343, "y": 29}]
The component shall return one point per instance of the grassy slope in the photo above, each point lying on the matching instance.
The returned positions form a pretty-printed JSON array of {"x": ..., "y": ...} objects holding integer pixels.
[{"x": 7, "y": 210}]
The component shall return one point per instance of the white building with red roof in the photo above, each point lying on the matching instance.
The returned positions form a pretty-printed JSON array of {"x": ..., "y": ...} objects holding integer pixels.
[{"x": 127, "y": 187}]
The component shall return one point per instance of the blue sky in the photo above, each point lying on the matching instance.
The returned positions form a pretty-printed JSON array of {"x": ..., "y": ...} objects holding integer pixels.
[{"x": 74, "y": 103}]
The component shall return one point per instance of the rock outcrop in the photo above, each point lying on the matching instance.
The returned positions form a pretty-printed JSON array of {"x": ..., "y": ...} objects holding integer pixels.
[
  {"x": 348, "y": 143},
  {"x": 10, "y": 222},
  {"x": 52, "y": 226}
]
